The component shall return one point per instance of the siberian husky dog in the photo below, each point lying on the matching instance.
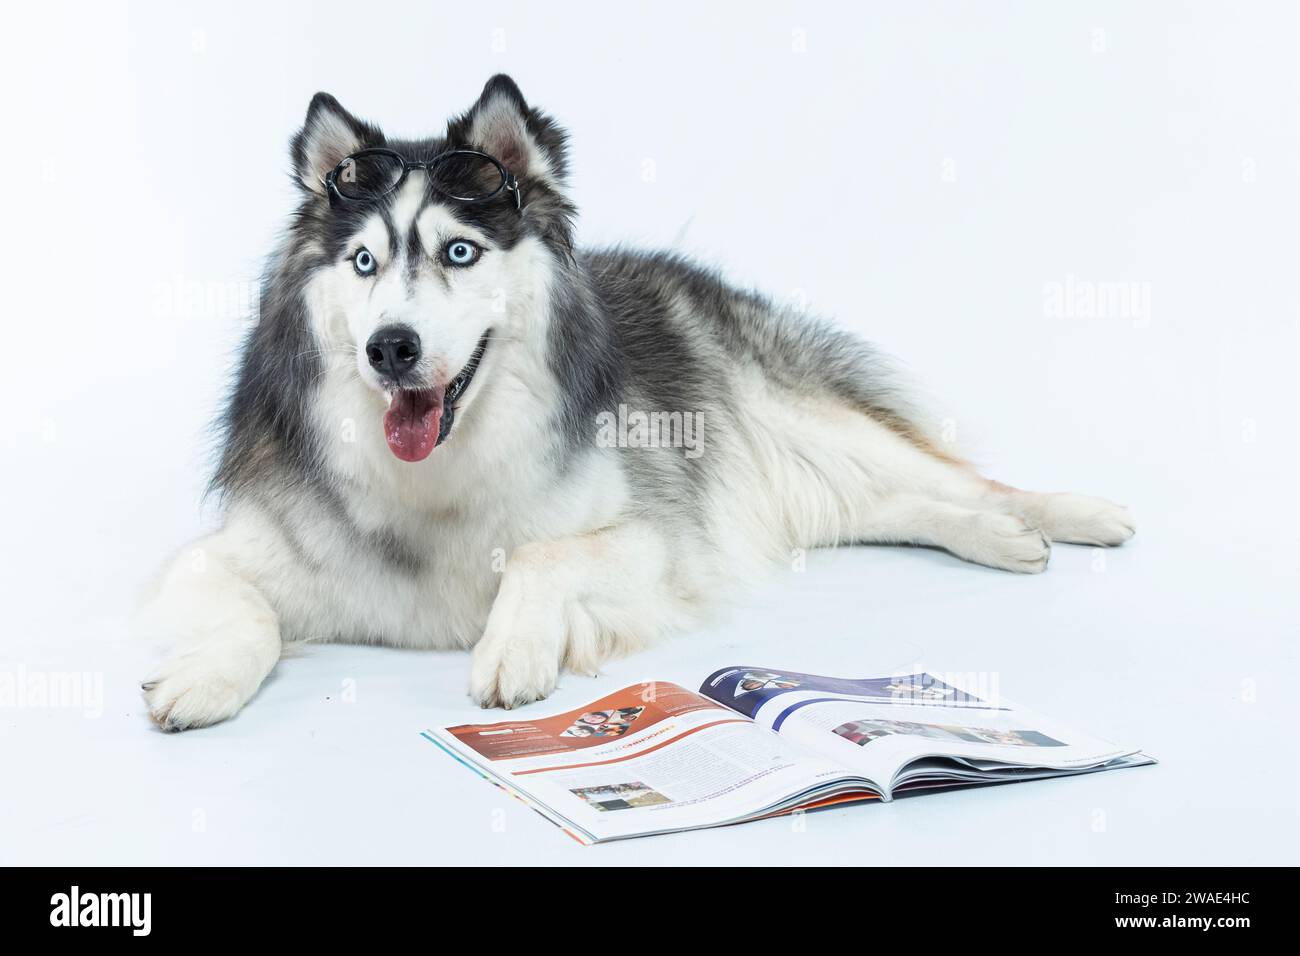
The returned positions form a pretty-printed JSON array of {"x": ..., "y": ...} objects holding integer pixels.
[{"x": 453, "y": 429}]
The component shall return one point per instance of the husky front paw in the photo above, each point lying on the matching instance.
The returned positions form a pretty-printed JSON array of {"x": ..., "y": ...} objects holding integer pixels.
[
  {"x": 573, "y": 602},
  {"x": 219, "y": 634},
  {"x": 188, "y": 692},
  {"x": 513, "y": 669},
  {"x": 205, "y": 685},
  {"x": 517, "y": 661},
  {"x": 518, "y": 677}
]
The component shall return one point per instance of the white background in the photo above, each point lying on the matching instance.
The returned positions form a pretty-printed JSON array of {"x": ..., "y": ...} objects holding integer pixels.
[{"x": 923, "y": 172}]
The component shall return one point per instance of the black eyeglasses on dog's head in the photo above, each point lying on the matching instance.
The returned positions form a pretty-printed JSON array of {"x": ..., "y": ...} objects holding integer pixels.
[{"x": 464, "y": 175}]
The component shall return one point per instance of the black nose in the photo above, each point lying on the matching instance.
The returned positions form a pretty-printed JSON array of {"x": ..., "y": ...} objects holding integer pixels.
[{"x": 393, "y": 350}]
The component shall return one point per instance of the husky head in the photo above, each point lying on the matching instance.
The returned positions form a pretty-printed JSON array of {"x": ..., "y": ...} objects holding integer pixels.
[{"x": 412, "y": 286}]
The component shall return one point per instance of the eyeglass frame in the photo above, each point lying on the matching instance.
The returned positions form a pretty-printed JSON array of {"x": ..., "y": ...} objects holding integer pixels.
[{"x": 508, "y": 181}]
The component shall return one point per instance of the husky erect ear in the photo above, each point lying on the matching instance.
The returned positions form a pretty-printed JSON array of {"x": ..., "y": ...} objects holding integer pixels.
[
  {"x": 527, "y": 142},
  {"x": 329, "y": 135}
]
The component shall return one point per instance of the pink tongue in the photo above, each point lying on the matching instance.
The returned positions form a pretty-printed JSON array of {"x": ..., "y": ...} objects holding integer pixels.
[{"x": 411, "y": 423}]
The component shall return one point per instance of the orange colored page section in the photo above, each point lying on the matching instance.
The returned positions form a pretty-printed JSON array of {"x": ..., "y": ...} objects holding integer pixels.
[{"x": 631, "y": 709}]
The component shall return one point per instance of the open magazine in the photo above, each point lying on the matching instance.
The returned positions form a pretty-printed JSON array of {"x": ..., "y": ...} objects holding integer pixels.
[{"x": 753, "y": 742}]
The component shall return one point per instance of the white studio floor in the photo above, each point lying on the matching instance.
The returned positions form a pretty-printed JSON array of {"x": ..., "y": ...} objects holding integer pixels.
[
  {"x": 1002, "y": 155},
  {"x": 1147, "y": 651}
]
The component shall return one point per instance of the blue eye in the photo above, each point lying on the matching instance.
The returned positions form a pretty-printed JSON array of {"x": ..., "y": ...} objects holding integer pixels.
[
  {"x": 461, "y": 252},
  {"x": 364, "y": 262}
]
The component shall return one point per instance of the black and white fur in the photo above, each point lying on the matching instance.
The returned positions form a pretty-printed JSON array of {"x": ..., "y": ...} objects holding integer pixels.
[{"x": 522, "y": 536}]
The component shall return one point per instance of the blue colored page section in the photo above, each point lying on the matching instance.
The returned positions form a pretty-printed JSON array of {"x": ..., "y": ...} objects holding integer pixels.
[{"x": 746, "y": 689}]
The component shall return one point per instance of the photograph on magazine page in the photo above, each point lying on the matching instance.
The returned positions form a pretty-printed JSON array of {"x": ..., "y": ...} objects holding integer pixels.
[{"x": 651, "y": 435}]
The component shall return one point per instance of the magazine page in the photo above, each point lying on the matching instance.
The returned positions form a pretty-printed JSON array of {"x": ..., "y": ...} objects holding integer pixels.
[
  {"x": 747, "y": 689},
  {"x": 910, "y": 728},
  {"x": 649, "y": 758}
]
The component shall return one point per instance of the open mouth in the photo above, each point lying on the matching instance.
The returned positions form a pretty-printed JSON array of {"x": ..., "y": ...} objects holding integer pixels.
[{"x": 418, "y": 420}]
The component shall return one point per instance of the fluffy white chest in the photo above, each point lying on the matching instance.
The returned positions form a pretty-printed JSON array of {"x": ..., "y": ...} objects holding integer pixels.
[
  {"x": 413, "y": 555},
  {"x": 428, "y": 584}
]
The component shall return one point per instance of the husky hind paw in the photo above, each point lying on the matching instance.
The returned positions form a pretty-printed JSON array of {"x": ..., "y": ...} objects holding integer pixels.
[
  {"x": 1005, "y": 542},
  {"x": 1080, "y": 519}
]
